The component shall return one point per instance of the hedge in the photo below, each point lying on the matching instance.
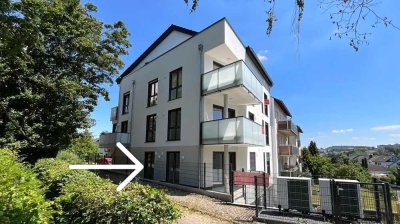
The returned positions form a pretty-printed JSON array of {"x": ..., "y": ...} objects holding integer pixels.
[
  {"x": 21, "y": 193},
  {"x": 83, "y": 197}
]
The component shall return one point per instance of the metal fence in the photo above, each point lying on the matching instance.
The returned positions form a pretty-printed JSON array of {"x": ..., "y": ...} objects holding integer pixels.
[{"x": 323, "y": 200}]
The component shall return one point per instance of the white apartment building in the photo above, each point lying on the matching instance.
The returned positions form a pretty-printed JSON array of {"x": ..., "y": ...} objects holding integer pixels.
[{"x": 196, "y": 105}]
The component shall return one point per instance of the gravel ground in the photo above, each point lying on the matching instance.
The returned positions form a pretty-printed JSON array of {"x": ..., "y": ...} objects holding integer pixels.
[
  {"x": 193, "y": 217},
  {"x": 211, "y": 207}
]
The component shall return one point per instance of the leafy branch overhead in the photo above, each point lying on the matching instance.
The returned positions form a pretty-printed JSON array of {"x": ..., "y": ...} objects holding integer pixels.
[
  {"x": 353, "y": 19},
  {"x": 55, "y": 58}
]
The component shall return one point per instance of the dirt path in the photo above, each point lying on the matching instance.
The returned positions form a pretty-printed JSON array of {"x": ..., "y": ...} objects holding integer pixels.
[{"x": 194, "y": 217}]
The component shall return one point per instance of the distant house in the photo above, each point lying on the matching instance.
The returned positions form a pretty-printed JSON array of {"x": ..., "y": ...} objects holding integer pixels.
[
  {"x": 358, "y": 158},
  {"x": 384, "y": 161},
  {"x": 375, "y": 170}
]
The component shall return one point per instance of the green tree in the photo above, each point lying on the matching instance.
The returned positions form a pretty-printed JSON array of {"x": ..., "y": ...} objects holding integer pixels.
[
  {"x": 55, "y": 58},
  {"x": 313, "y": 149},
  {"x": 83, "y": 146}
]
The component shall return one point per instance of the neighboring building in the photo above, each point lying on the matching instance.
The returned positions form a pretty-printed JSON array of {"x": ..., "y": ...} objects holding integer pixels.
[
  {"x": 286, "y": 136},
  {"x": 196, "y": 105},
  {"x": 384, "y": 161},
  {"x": 375, "y": 170}
]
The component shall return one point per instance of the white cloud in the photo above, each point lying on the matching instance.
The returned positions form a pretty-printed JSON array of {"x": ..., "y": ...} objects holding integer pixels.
[
  {"x": 262, "y": 55},
  {"x": 386, "y": 128},
  {"x": 342, "y": 130},
  {"x": 395, "y": 135}
]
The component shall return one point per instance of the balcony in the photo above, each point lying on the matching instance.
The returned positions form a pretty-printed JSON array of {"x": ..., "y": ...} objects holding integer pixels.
[
  {"x": 239, "y": 130},
  {"x": 236, "y": 80},
  {"x": 288, "y": 150},
  {"x": 114, "y": 114},
  {"x": 109, "y": 140},
  {"x": 287, "y": 128}
]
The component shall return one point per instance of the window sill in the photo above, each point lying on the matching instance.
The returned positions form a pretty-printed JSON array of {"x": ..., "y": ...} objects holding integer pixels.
[
  {"x": 169, "y": 100},
  {"x": 151, "y": 106},
  {"x": 177, "y": 140},
  {"x": 149, "y": 141}
]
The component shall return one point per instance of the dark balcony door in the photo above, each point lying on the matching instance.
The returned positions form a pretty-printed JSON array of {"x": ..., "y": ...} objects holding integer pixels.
[
  {"x": 149, "y": 165},
  {"x": 173, "y": 165}
]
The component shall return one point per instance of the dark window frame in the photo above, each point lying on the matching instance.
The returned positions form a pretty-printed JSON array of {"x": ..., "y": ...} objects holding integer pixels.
[
  {"x": 251, "y": 116},
  {"x": 218, "y": 108},
  {"x": 266, "y": 132},
  {"x": 176, "y": 127},
  {"x": 122, "y": 127},
  {"x": 265, "y": 105},
  {"x": 151, "y": 129},
  {"x": 114, "y": 128},
  {"x": 253, "y": 167},
  {"x": 125, "y": 103},
  {"x": 152, "y": 94},
  {"x": 231, "y": 113},
  {"x": 178, "y": 86}
]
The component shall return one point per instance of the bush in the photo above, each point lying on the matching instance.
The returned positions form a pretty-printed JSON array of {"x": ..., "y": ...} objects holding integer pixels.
[
  {"x": 69, "y": 157},
  {"x": 21, "y": 195},
  {"x": 83, "y": 146},
  {"x": 83, "y": 197}
]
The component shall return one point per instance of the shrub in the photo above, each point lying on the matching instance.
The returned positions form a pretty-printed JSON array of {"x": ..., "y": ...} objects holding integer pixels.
[
  {"x": 69, "y": 157},
  {"x": 21, "y": 195},
  {"x": 81, "y": 196}
]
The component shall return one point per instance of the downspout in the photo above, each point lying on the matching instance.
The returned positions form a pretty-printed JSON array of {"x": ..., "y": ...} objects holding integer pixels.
[
  {"x": 201, "y": 116},
  {"x": 131, "y": 122}
]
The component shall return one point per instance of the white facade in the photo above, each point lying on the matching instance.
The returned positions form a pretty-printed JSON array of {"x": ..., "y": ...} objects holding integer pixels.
[{"x": 205, "y": 90}]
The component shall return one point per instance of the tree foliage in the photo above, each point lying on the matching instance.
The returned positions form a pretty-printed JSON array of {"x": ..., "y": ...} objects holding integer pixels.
[
  {"x": 331, "y": 165},
  {"x": 55, "y": 57},
  {"x": 350, "y": 18},
  {"x": 83, "y": 146}
]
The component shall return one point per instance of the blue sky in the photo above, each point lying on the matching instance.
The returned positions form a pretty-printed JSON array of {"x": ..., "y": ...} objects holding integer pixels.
[{"x": 338, "y": 96}]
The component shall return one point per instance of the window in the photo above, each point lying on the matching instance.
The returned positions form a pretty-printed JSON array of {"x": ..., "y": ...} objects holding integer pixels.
[
  {"x": 175, "y": 84},
  {"x": 252, "y": 161},
  {"x": 151, "y": 128},
  {"x": 231, "y": 113},
  {"x": 174, "y": 125},
  {"x": 218, "y": 112},
  {"x": 125, "y": 103},
  {"x": 152, "y": 92},
  {"x": 268, "y": 163},
  {"x": 251, "y": 116},
  {"x": 266, "y": 103},
  {"x": 266, "y": 131},
  {"x": 124, "y": 127},
  {"x": 217, "y": 65},
  {"x": 114, "y": 128}
]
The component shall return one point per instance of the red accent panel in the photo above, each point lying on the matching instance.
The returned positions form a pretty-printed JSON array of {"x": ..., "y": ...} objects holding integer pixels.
[
  {"x": 247, "y": 178},
  {"x": 266, "y": 101}
]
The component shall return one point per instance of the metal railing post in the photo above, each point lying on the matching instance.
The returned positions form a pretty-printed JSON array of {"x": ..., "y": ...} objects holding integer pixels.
[
  {"x": 388, "y": 203},
  {"x": 265, "y": 190},
  {"x": 204, "y": 175},
  {"x": 377, "y": 201},
  {"x": 231, "y": 184},
  {"x": 256, "y": 194}
]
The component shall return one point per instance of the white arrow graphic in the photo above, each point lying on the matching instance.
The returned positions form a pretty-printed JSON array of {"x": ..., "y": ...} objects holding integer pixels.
[{"x": 136, "y": 167}]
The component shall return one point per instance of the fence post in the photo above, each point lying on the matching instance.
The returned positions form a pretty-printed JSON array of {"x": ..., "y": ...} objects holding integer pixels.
[
  {"x": 388, "y": 207},
  {"x": 256, "y": 194},
  {"x": 265, "y": 190},
  {"x": 335, "y": 202},
  {"x": 377, "y": 201},
  {"x": 231, "y": 183},
  {"x": 204, "y": 175}
]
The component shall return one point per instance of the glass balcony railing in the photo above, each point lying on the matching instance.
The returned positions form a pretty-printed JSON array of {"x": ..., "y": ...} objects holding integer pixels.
[
  {"x": 232, "y": 75},
  {"x": 109, "y": 140},
  {"x": 239, "y": 130},
  {"x": 114, "y": 114}
]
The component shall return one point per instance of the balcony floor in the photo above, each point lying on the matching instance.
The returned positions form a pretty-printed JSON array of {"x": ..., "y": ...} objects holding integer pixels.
[{"x": 237, "y": 95}]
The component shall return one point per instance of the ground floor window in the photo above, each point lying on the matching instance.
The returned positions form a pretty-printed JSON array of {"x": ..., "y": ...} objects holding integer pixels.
[{"x": 252, "y": 161}]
